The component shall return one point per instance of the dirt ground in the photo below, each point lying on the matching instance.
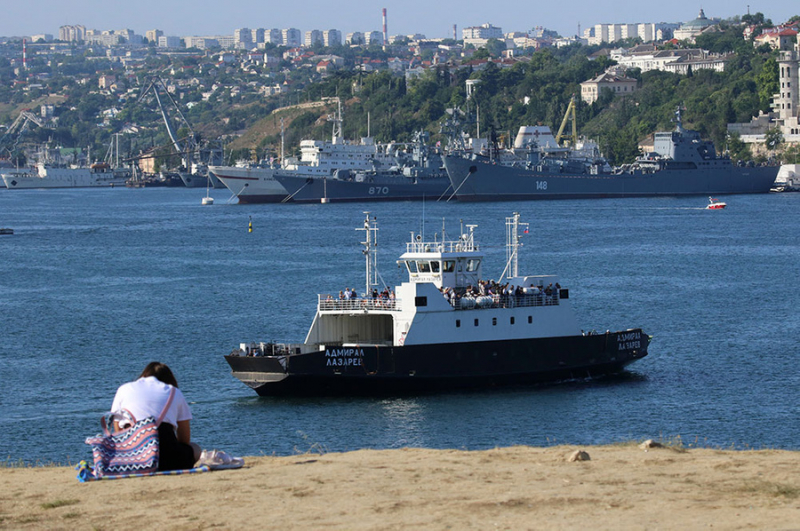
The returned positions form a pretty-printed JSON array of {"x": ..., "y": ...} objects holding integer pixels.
[{"x": 619, "y": 487}]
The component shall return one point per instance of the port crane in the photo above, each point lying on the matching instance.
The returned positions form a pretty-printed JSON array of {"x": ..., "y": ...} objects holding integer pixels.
[
  {"x": 569, "y": 116},
  {"x": 156, "y": 86},
  {"x": 17, "y": 128}
]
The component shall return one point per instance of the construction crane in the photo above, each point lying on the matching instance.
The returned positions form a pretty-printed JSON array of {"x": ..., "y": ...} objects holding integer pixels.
[
  {"x": 156, "y": 85},
  {"x": 19, "y": 126},
  {"x": 569, "y": 115}
]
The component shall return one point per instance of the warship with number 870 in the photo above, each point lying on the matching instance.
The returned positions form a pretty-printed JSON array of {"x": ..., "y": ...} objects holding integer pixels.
[{"x": 445, "y": 328}]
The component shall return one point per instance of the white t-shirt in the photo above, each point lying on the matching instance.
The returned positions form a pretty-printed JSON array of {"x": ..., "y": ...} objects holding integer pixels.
[{"x": 146, "y": 397}]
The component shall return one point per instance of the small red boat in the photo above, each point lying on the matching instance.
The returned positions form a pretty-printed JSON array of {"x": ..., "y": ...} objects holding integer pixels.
[{"x": 715, "y": 204}]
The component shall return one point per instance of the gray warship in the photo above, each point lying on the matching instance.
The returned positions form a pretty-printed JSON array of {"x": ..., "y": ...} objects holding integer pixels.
[{"x": 681, "y": 164}]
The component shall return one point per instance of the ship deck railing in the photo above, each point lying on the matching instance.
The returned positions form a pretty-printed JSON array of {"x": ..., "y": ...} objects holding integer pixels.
[
  {"x": 505, "y": 301},
  {"x": 455, "y": 246},
  {"x": 328, "y": 303}
]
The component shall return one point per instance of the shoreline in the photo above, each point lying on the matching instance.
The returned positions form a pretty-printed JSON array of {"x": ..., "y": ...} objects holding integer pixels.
[{"x": 520, "y": 487}]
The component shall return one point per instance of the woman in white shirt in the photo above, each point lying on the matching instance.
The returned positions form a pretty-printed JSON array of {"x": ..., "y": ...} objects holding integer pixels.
[{"x": 147, "y": 397}]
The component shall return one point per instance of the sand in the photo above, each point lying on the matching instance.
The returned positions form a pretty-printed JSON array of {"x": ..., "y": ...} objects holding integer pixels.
[{"x": 620, "y": 487}]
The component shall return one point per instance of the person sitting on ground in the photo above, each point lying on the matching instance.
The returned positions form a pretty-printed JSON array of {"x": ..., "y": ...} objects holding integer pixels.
[{"x": 146, "y": 397}]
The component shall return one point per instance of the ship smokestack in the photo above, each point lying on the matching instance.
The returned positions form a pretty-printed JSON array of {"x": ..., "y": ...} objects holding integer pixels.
[{"x": 385, "y": 32}]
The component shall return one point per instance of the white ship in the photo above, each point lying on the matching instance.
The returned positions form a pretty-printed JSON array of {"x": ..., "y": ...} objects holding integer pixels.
[
  {"x": 444, "y": 329},
  {"x": 49, "y": 176},
  {"x": 318, "y": 159}
]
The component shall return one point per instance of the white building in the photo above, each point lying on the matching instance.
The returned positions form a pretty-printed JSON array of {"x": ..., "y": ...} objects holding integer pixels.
[
  {"x": 292, "y": 37},
  {"x": 242, "y": 39},
  {"x": 332, "y": 37},
  {"x": 355, "y": 38},
  {"x": 273, "y": 36},
  {"x": 677, "y": 61},
  {"x": 373, "y": 37},
  {"x": 72, "y": 33},
  {"x": 484, "y": 31},
  {"x": 257, "y": 36},
  {"x": 689, "y": 30},
  {"x": 169, "y": 42},
  {"x": 313, "y": 37},
  {"x": 153, "y": 35},
  {"x": 648, "y": 32},
  {"x": 611, "y": 80}
]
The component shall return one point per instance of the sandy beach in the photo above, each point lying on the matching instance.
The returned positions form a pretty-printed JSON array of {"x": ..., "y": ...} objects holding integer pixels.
[{"x": 619, "y": 487}]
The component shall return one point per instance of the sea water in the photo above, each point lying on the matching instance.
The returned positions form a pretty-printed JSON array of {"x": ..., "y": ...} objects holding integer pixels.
[{"x": 94, "y": 284}]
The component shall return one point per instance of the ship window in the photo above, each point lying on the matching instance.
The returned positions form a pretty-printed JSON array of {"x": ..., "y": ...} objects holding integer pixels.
[
  {"x": 512, "y": 320},
  {"x": 435, "y": 266},
  {"x": 460, "y": 266},
  {"x": 412, "y": 267},
  {"x": 424, "y": 266},
  {"x": 449, "y": 266},
  {"x": 476, "y": 322},
  {"x": 458, "y": 323},
  {"x": 473, "y": 265},
  {"x": 530, "y": 319},
  {"x": 494, "y": 321},
  {"x": 420, "y": 302}
]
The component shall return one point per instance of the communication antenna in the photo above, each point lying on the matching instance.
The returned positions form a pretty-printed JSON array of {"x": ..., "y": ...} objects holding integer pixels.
[{"x": 370, "y": 251}]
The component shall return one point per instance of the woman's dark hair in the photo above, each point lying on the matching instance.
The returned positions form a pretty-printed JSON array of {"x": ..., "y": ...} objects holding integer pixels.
[{"x": 161, "y": 372}]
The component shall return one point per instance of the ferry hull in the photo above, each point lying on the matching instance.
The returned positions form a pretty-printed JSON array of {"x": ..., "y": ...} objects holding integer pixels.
[
  {"x": 479, "y": 180},
  {"x": 435, "y": 367}
]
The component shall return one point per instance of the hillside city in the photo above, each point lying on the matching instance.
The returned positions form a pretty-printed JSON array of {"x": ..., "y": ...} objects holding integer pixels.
[{"x": 83, "y": 87}]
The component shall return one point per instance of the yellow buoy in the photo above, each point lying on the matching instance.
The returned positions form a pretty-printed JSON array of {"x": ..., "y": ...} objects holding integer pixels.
[{"x": 250, "y": 225}]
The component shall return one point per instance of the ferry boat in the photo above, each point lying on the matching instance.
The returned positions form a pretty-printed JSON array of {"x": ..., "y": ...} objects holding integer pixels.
[
  {"x": 445, "y": 328},
  {"x": 50, "y": 176}
]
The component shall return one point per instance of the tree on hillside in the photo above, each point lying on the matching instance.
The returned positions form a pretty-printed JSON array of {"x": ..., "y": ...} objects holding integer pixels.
[
  {"x": 773, "y": 138},
  {"x": 768, "y": 83}
]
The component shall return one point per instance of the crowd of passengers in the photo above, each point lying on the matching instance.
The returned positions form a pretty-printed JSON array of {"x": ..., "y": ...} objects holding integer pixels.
[
  {"x": 503, "y": 295},
  {"x": 385, "y": 297}
]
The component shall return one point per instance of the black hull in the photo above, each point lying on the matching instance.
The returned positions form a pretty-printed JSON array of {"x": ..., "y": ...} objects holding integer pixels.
[{"x": 431, "y": 368}]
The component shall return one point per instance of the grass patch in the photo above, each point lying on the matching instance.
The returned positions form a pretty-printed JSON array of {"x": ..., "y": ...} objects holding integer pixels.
[
  {"x": 19, "y": 463},
  {"x": 58, "y": 503},
  {"x": 71, "y": 515},
  {"x": 313, "y": 448}
]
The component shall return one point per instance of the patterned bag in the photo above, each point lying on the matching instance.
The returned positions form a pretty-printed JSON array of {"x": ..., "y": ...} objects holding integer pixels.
[{"x": 132, "y": 450}]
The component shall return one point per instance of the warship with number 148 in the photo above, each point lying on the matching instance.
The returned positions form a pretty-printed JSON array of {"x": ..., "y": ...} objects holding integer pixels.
[{"x": 681, "y": 164}]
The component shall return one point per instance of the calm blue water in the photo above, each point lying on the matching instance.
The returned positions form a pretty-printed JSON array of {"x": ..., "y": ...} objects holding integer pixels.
[{"x": 96, "y": 283}]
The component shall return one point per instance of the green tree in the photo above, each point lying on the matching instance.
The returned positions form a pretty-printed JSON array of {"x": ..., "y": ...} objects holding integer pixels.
[
  {"x": 768, "y": 83},
  {"x": 773, "y": 138}
]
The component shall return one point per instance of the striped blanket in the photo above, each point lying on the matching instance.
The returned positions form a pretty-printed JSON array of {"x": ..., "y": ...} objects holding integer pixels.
[{"x": 86, "y": 473}]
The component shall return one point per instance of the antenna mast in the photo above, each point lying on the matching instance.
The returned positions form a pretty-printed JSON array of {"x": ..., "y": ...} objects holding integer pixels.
[
  {"x": 512, "y": 245},
  {"x": 370, "y": 252}
]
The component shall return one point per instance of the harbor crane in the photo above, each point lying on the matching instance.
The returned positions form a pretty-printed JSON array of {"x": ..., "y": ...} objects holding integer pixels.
[
  {"x": 156, "y": 85},
  {"x": 569, "y": 116},
  {"x": 17, "y": 128}
]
